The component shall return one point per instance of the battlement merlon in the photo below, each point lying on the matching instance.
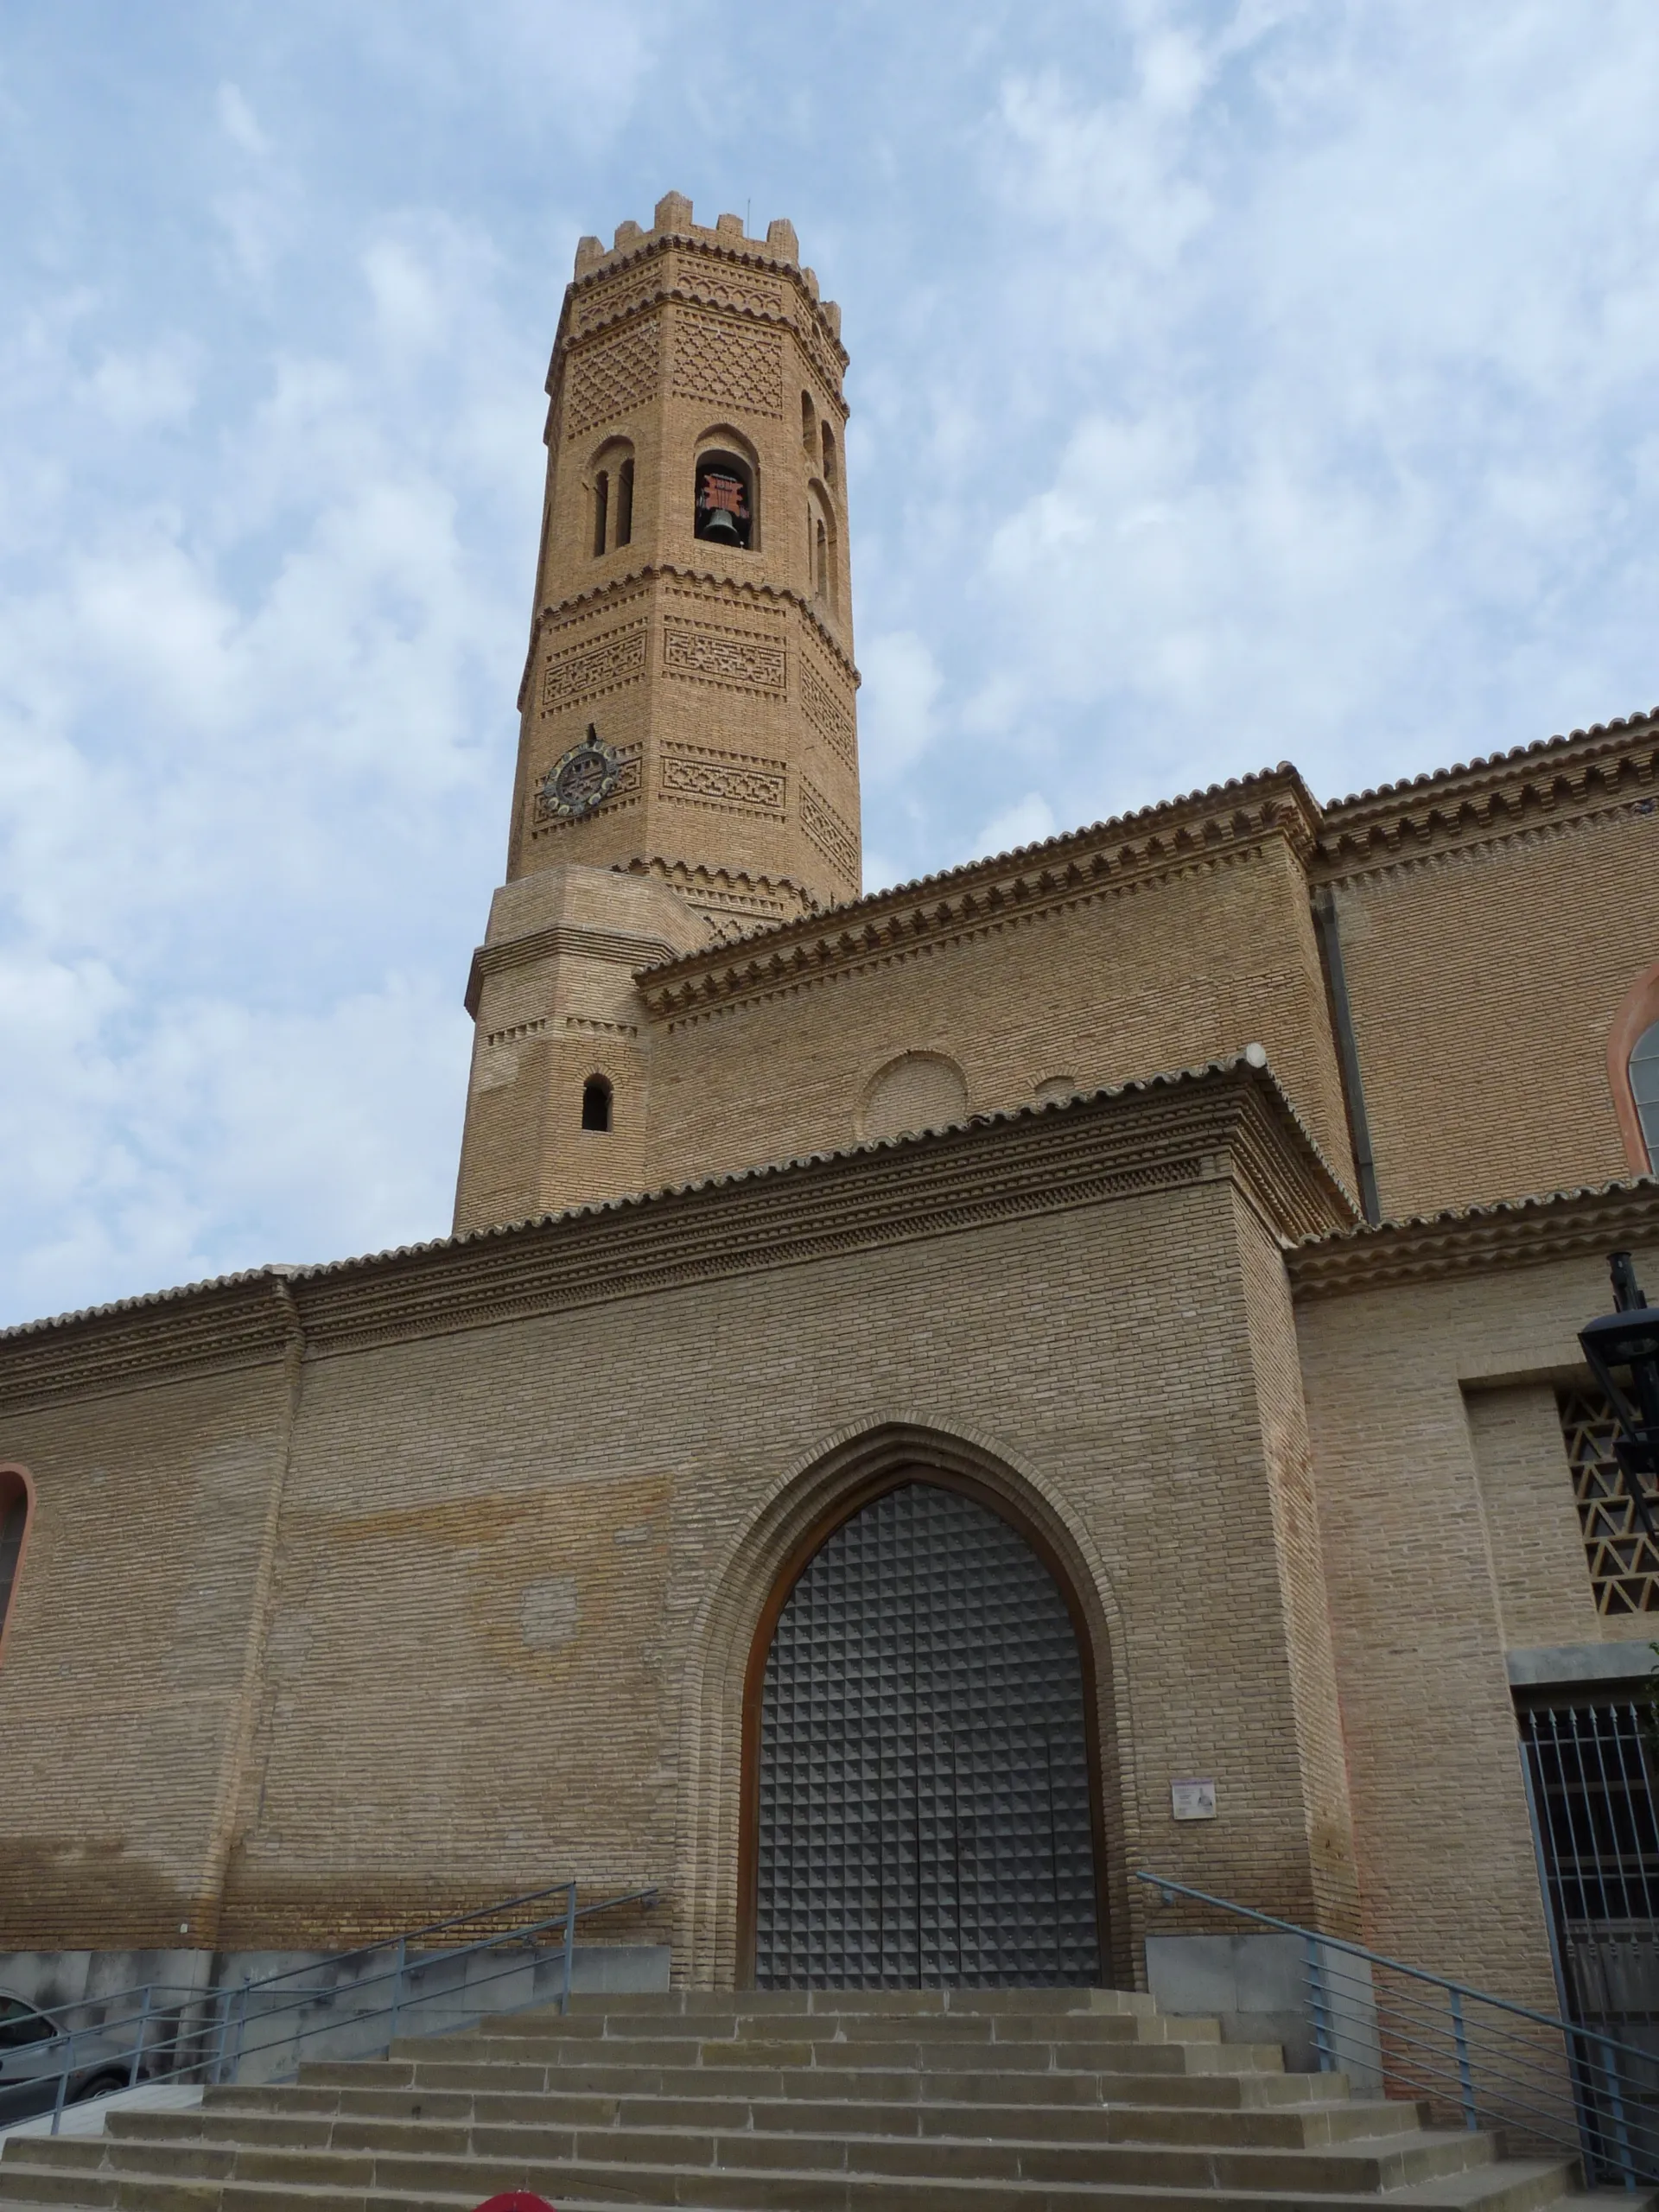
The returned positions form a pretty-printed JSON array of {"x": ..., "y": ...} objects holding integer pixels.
[{"x": 673, "y": 227}]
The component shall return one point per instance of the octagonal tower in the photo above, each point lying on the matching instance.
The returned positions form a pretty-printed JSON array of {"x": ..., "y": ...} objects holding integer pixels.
[
  {"x": 688, "y": 757},
  {"x": 692, "y": 590}
]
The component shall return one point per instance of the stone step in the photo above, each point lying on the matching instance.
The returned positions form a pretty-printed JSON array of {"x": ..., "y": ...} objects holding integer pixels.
[
  {"x": 369, "y": 2151},
  {"x": 984, "y": 2026},
  {"x": 666, "y": 2003},
  {"x": 1192, "y": 2054},
  {"x": 323, "y": 2080},
  {"x": 443, "y": 2186},
  {"x": 1309, "y": 2125}
]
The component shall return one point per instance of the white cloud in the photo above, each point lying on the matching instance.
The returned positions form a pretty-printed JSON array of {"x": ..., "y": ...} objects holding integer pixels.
[
  {"x": 896, "y": 705},
  {"x": 1028, "y": 822},
  {"x": 1229, "y": 382}
]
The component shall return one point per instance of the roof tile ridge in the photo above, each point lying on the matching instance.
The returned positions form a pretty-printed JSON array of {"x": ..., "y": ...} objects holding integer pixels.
[
  {"x": 1530, "y": 1201},
  {"x": 1135, "y": 821},
  {"x": 298, "y": 1276},
  {"x": 1491, "y": 763},
  {"x": 770, "y": 1170},
  {"x": 272, "y": 1271}
]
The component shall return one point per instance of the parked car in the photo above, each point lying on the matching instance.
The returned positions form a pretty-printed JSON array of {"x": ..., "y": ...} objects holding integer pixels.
[{"x": 34, "y": 2050}]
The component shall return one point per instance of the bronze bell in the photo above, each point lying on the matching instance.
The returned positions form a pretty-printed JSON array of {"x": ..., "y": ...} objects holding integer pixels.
[{"x": 720, "y": 522}]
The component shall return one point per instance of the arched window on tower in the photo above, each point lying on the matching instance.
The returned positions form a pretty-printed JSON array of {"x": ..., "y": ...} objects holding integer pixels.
[
  {"x": 829, "y": 455},
  {"x": 723, "y": 501},
  {"x": 596, "y": 1104},
  {"x": 13, "y": 1519},
  {"x": 809, "y": 427},
  {"x": 823, "y": 566},
  {"x": 1644, "y": 1089},
  {"x": 609, "y": 480}
]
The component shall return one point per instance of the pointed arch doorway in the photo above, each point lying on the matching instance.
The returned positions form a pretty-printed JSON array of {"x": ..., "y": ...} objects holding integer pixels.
[{"x": 921, "y": 1789}]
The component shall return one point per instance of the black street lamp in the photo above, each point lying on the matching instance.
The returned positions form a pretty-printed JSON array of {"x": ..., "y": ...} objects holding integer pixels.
[{"x": 1629, "y": 1339}]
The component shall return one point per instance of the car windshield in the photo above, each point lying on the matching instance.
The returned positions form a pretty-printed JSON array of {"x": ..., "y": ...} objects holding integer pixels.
[{"x": 20, "y": 2023}]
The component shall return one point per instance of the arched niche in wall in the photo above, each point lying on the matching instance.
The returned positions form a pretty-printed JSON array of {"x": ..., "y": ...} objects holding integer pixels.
[{"x": 912, "y": 1092}]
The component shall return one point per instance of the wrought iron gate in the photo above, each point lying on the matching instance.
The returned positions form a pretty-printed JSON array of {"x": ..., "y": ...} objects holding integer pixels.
[
  {"x": 1591, "y": 1768},
  {"x": 924, "y": 1777}
]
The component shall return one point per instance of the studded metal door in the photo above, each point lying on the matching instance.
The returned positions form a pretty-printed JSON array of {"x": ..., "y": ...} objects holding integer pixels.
[{"x": 924, "y": 1778}]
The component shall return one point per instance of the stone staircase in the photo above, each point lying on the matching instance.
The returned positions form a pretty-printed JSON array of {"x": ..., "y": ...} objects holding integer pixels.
[{"x": 1011, "y": 2100}]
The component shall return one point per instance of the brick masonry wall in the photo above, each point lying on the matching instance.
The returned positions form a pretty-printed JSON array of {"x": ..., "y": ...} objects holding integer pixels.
[
  {"x": 1184, "y": 969},
  {"x": 126, "y": 1682},
  {"x": 1484, "y": 980},
  {"x": 1447, "y": 1537},
  {"x": 498, "y": 1545}
]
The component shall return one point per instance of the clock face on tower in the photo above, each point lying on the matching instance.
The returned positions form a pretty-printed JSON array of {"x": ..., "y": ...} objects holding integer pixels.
[{"x": 579, "y": 780}]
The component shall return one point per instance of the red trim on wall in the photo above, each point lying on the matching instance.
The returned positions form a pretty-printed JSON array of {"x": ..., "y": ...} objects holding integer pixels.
[
  {"x": 10, "y": 1472},
  {"x": 1639, "y": 1011}
]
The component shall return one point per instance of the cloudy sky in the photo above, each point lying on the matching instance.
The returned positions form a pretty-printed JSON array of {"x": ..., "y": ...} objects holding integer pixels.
[{"x": 1230, "y": 382}]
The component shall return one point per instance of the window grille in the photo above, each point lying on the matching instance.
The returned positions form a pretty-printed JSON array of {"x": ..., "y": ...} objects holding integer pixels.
[{"x": 1624, "y": 1563}]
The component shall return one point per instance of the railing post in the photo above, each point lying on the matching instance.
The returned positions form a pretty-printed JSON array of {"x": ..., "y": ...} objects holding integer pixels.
[
  {"x": 1321, "y": 2006},
  {"x": 63, "y": 2082},
  {"x": 1465, "y": 2079},
  {"x": 397, "y": 1988},
  {"x": 1616, "y": 2106},
  {"x": 569, "y": 1942},
  {"x": 222, "y": 2003},
  {"x": 139, "y": 2045}
]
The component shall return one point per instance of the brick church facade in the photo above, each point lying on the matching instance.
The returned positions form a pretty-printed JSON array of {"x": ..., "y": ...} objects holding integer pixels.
[{"x": 916, "y": 1377}]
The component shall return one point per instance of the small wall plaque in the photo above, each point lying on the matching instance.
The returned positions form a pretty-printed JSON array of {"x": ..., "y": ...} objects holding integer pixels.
[{"x": 1192, "y": 1801}]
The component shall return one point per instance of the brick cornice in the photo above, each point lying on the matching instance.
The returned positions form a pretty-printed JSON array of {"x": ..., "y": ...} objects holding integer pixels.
[
  {"x": 1224, "y": 825},
  {"x": 736, "y": 589},
  {"x": 1607, "y": 770},
  {"x": 1227, "y": 1122},
  {"x": 241, "y": 1320},
  {"x": 570, "y": 938},
  {"x": 1522, "y": 1233}
]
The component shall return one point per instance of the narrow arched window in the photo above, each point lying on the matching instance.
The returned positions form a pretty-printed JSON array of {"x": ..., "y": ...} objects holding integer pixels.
[
  {"x": 596, "y": 1104},
  {"x": 1644, "y": 1090},
  {"x": 823, "y": 562},
  {"x": 829, "y": 454},
  {"x": 808, "y": 426},
  {"x": 723, "y": 504},
  {"x": 625, "y": 504},
  {"x": 601, "y": 507},
  {"x": 14, "y": 1515}
]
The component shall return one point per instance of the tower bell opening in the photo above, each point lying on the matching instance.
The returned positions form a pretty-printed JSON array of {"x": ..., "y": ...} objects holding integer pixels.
[{"x": 725, "y": 501}]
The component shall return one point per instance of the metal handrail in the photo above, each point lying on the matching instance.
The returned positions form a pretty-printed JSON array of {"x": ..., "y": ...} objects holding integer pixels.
[
  {"x": 212, "y": 2044},
  {"x": 1590, "y": 2093}
]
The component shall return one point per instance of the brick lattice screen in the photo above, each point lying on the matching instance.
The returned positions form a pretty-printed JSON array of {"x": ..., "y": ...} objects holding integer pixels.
[{"x": 1624, "y": 1563}]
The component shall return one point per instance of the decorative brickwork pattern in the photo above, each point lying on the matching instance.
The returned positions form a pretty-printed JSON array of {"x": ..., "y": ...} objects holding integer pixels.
[
  {"x": 617, "y": 659},
  {"x": 728, "y": 364},
  {"x": 828, "y": 832},
  {"x": 739, "y": 657},
  {"x": 828, "y": 711},
  {"x": 1624, "y": 1563},
  {"x": 609, "y": 380},
  {"x": 699, "y": 774},
  {"x": 925, "y": 1816}
]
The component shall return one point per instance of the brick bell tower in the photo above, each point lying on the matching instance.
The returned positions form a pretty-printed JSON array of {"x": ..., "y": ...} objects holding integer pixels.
[{"x": 687, "y": 762}]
